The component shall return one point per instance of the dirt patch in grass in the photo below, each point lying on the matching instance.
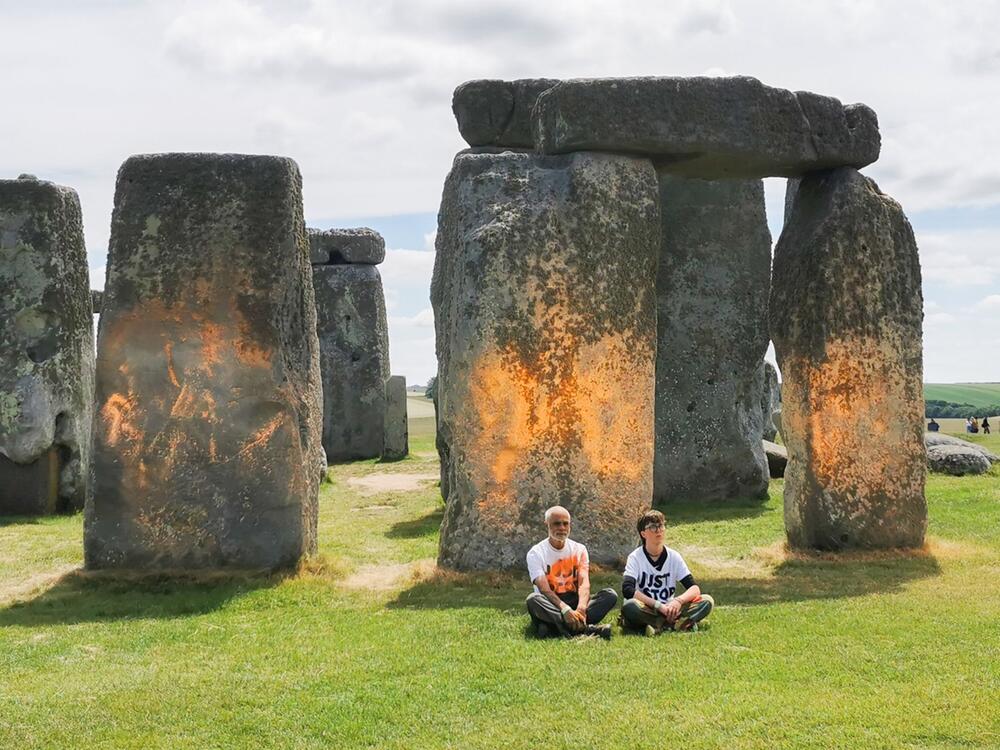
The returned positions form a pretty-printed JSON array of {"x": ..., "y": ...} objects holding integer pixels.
[
  {"x": 14, "y": 590},
  {"x": 375, "y": 483},
  {"x": 389, "y": 577}
]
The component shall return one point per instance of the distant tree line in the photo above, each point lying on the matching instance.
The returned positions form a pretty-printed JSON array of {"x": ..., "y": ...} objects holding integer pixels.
[{"x": 938, "y": 408}]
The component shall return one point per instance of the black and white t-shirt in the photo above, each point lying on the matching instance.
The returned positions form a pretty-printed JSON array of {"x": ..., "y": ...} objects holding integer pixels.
[{"x": 657, "y": 578}]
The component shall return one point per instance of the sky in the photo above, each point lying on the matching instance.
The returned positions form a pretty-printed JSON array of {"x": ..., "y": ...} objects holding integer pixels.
[{"x": 359, "y": 94}]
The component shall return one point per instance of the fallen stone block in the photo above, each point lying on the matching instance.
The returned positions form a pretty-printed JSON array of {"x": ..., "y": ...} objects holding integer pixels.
[
  {"x": 932, "y": 439},
  {"x": 777, "y": 459},
  {"x": 846, "y": 312},
  {"x": 207, "y": 438},
  {"x": 712, "y": 290},
  {"x": 706, "y": 127},
  {"x": 544, "y": 300},
  {"x": 956, "y": 460},
  {"x": 46, "y": 349}
]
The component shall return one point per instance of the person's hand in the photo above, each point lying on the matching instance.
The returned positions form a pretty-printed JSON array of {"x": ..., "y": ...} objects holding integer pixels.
[
  {"x": 575, "y": 620},
  {"x": 671, "y": 610}
]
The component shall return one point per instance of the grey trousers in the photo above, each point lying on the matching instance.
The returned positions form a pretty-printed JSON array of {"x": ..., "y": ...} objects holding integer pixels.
[{"x": 544, "y": 611}]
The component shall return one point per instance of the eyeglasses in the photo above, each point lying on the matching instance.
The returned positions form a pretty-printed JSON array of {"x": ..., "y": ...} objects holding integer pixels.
[{"x": 653, "y": 527}]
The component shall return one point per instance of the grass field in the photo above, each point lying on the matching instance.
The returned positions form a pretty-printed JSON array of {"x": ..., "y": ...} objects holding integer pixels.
[
  {"x": 976, "y": 394},
  {"x": 368, "y": 646}
]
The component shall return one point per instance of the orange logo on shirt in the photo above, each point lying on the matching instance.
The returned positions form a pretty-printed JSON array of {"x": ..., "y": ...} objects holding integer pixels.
[{"x": 562, "y": 575}]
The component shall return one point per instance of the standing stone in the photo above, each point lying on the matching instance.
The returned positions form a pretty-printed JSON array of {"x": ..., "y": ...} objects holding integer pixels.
[
  {"x": 207, "y": 439},
  {"x": 543, "y": 295},
  {"x": 354, "y": 359},
  {"x": 397, "y": 444},
  {"x": 712, "y": 291},
  {"x": 96, "y": 300},
  {"x": 706, "y": 127},
  {"x": 770, "y": 399},
  {"x": 46, "y": 349},
  {"x": 846, "y": 311}
]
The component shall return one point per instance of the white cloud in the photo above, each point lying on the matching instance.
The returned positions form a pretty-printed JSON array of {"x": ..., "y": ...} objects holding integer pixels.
[
  {"x": 423, "y": 319},
  {"x": 961, "y": 258},
  {"x": 992, "y": 302}
]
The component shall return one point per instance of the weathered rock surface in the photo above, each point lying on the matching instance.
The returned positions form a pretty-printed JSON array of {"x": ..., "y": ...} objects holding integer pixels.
[
  {"x": 932, "y": 439},
  {"x": 397, "y": 443},
  {"x": 46, "y": 349},
  {"x": 712, "y": 291},
  {"x": 777, "y": 459},
  {"x": 846, "y": 312},
  {"x": 354, "y": 359},
  {"x": 706, "y": 127},
  {"x": 544, "y": 297},
  {"x": 770, "y": 400},
  {"x": 956, "y": 460},
  {"x": 341, "y": 246},
  {"x": 207, "y": 439},
  {"x": 491, "y": 112}
]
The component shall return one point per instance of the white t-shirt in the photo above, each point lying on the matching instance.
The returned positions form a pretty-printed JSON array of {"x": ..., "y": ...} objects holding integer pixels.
[
  {"x": 562, "y": 567},
  {"x": 656, "y": 579}
]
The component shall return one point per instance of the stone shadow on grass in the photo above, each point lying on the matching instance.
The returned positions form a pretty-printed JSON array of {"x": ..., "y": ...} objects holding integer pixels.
[
  {"x": 79, "y": 597},
  {"x": 417, "y": 527},
  {"x": 802, "y": 577},
  {"x": 686, "y": 512},
  {"x": 824, "y": 576}
]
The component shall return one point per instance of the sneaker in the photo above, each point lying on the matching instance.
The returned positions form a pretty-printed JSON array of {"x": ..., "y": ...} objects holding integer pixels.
[
  {"x": 543, "y": 631},
  {"x": 650, "y": 631},
  {"x": 604, "y": 631}
]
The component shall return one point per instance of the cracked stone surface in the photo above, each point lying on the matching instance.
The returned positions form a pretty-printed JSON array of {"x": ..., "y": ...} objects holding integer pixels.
[
  {"x": 46, "y": 349},
  {"x": 207, "y": 449},
  {"x": 846, "y": 319}
]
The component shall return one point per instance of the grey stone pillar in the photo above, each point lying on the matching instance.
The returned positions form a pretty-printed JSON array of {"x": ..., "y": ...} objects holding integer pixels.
[
  {"x": 397, "y": 444},
  {"x": 712, "y": 291},
  {"x": 353, "y": 341},
  {"x": 46, "y": 349},
  {"x": 207, "y": 441},
  {"x": 846, "y": 312},
  {"x": 770, "y": 399},
  {"x": 544, "y": 294}
]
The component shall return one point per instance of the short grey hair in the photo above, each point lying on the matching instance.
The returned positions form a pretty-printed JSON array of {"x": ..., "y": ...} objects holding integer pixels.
[{"x": 553, "y": 510}]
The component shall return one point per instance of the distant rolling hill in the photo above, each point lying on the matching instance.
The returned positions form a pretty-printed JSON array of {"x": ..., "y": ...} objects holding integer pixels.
[{"x": 976, "y": 394}]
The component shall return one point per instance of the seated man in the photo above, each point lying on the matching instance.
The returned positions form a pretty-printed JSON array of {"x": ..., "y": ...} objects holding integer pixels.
[
  {"x": 560, "y": 569},
  {"x": 652, "y": 574}
]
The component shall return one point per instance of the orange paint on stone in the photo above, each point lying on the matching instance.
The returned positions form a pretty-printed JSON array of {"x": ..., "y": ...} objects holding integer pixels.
[{"x": 577, "y": 406}]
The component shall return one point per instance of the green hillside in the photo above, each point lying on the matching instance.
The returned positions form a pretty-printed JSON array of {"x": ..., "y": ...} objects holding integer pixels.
[{"x": 975, "y": 394}]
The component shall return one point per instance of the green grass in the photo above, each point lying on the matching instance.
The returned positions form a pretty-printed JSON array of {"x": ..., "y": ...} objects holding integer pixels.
[
  {"x": 976, "y": 394},
  {"x": 887, "y": 651}
]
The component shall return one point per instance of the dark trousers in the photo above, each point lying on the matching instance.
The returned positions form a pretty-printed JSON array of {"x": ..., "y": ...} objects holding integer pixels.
[{"x": 544, "y": 611}]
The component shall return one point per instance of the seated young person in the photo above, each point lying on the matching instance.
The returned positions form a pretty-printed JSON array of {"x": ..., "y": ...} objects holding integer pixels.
[{"x": 652, "y": 574}]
